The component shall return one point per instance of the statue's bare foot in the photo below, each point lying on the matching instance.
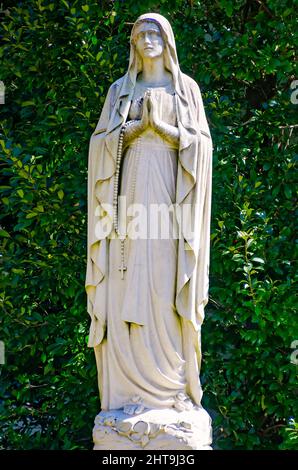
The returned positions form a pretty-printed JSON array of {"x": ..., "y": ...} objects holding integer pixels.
[
  {"x": 183, "y": 402},
  {"x": 134, "y": 408}
]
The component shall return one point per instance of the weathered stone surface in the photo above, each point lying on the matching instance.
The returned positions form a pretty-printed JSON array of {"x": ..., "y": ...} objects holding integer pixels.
[{"x": 157, "y": 429}]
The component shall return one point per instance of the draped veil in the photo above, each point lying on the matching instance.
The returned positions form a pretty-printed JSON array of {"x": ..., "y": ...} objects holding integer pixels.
[{"x": 193, "y": 189}]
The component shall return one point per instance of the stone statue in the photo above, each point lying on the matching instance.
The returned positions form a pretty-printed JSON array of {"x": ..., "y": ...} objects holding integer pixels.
[{"x": 146, "y": 294}]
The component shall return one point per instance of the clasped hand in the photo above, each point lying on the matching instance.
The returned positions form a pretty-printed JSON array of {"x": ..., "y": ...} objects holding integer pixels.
[
  {"x": 151, "y": 119},
  {"x": 149, "y": 115}
]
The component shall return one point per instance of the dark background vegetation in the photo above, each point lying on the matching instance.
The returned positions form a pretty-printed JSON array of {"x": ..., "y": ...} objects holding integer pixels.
[{"x": 57, "y": 60}]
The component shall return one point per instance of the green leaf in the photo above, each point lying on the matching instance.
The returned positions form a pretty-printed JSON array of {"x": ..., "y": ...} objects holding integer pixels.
[
  {"x": 28, "y": 103},
  {"x": 61, "y": 194},
  {"x": 4, "y": 233},
  {"x": 288, "y": 192},
  {"x": 258, "y": 260}
]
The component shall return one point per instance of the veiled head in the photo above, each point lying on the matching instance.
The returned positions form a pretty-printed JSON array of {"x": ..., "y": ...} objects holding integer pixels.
[
  {"x": 163, "y": 39},
  {"x": 170, "y": 58}
]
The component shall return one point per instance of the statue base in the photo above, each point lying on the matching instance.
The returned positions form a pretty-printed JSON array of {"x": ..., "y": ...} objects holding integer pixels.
[{"x": 153, "y": 429}]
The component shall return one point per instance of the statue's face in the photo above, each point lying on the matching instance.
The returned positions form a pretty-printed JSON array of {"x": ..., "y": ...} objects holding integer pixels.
[{"x": 148, "y": 40}]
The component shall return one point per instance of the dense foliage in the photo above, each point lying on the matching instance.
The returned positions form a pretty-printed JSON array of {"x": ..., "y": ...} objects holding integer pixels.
[{"x": 58, "y": 58}]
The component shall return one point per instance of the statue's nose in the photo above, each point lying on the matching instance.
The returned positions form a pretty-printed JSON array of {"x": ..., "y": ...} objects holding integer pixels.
[{"x": 147, "y": 39}]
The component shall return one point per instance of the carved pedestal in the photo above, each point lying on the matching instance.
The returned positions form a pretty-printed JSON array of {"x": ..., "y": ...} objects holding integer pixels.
[{"x": 163, "y": 429}]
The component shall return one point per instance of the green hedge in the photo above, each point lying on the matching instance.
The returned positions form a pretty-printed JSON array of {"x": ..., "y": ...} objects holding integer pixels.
[{"x": 58, "y": 59}]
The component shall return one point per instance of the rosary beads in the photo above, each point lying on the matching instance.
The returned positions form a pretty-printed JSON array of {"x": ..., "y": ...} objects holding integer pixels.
[{"x": 122, "y": 267}]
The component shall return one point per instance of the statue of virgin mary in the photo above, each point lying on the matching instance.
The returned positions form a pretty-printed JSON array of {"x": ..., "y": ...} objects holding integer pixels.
[{"x": 146, "y": 295}]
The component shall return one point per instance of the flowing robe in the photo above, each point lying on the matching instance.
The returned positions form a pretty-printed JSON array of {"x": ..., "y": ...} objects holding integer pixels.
[
  {"x": 189, "y": 186},
  {"x": 142, "y": 353}
]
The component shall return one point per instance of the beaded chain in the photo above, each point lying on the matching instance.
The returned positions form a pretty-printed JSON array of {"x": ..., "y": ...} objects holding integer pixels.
[
  {"x": 134, "y": 178},
  {"x": 121, "y": 268}
]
